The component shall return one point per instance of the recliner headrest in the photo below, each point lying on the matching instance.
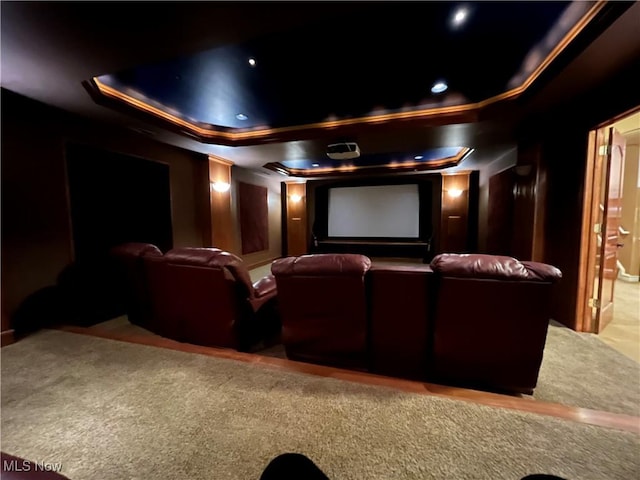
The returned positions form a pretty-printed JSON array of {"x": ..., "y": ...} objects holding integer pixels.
[
  {"x": 322, "y": 264},
  {"x": 214, "y": 258},
  {"x": 497, "y": 267}
]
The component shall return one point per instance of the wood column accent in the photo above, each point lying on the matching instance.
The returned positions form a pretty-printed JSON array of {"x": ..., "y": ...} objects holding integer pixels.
[
  {"x": 222, "y": 229},
  {"x": 295, "y": 203},
  {"x": 530, "y": 196},
  {"x": 454, "y": 230}
]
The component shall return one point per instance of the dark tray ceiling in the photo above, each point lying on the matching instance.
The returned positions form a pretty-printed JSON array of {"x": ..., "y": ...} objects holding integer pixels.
[{"x": 383, "y": 58}]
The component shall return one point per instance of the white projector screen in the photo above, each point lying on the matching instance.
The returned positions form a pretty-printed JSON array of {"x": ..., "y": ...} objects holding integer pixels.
[{"x": 376, "y": 211}]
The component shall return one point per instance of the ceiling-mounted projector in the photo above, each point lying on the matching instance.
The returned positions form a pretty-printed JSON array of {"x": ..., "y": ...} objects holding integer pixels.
[{"x": 343, "y": 151}]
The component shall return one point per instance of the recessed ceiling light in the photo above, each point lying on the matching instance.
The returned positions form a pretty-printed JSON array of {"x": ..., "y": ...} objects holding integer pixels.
[
  {"x": 418, "y": 157},
  {"x": 439, "y": 87},
  {"x": 459, "y": 16},
  {"x": 241, "y": 116},
  {"x": 315, "y": 164},
  {"x": 252, "y": 62}
]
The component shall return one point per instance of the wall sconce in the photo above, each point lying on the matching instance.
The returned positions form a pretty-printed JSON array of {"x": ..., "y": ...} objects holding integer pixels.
[
  {"x": 523, "y": 170},
  {"x": 295, "y": 198},
  {"x": 454, "y": 192},
  {"x": 220, "y": 186}
]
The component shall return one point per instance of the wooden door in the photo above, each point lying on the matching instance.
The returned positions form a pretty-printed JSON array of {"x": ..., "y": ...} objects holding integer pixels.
[{"x": 607, "y": 229}]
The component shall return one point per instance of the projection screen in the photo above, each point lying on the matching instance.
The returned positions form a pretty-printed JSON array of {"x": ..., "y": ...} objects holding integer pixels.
[{"x": 374, "y": 211}]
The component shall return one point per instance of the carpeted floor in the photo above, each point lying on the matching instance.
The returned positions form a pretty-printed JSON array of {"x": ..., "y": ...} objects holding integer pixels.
[
  {"x": 113, "y": 410},
  {"x": 579, "y": 369}
]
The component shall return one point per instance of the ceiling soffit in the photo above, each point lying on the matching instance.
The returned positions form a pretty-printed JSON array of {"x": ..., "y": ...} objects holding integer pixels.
[{"x": 261, "y": 94}]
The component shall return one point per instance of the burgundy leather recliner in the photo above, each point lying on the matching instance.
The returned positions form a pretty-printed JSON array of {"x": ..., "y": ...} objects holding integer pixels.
[
  {"x": 491, "y": 319},
  {"x": 135, "y": 289},
  {"x": 323, "y": 307},
  {"x": 205, "y": 296}
]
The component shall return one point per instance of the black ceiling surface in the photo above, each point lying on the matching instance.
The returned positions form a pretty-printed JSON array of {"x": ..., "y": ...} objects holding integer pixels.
[
  {"x": 380, "y": 58},
  {"x": 50, "y": 49}
]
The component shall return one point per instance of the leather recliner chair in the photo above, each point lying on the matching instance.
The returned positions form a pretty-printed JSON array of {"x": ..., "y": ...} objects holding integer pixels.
[
  {"x": 135, "y": 290},
  {"x": 491, "y": 319},
  {"x": 205, "y": 296},
  {"x": 323, "y": 307}
]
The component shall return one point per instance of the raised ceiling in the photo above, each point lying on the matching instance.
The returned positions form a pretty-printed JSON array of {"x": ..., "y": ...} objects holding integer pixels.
[
  {"x": 323, "y": 72},
  {"x": 380, "y": 60}
]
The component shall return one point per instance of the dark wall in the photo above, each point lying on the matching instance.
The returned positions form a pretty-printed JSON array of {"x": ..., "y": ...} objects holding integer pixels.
[
  {"x": 116, "y": 198},
  {"x": 562, "y": 135},
  {"x": 36, "y": 225},
  {"x": 493, "y": 162},
  {"x": 500, "y": 213}
]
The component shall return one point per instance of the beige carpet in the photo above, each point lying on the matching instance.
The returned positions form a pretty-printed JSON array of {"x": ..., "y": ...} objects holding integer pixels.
[
  {"x": 579, "y": 369},
  {"x": 113, "y": 410}
]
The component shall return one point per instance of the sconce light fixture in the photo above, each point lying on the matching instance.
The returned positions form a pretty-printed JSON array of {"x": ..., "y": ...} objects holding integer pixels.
[
  {"x": 220, "y": 186},
  {"x": 454, "y": 192},
  {"x": 523, "y": 170},
  {"x": 295, "y": 198}
]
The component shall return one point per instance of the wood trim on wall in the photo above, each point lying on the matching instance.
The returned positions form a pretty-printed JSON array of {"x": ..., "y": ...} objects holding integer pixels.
[
  {"x": 454, "y": 229},
  {"x": 540, "y": 209},
  {"x": 530, "y": 197},
  {"x": 7, "y": 337},
  {"x": 296, "y": 218},
  {"x": 222, "y": 230}
]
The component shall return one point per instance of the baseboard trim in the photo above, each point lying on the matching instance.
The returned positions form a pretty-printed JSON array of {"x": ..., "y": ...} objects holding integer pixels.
[
  {"x": 624, "y": 276},
  {"x": 7, "y": 338},
  {"x": 251, "y": 266},
  {"x": 629, "y": 278}
]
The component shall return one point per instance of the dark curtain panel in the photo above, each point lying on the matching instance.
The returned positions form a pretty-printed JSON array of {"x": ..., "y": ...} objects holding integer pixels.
[
  {"x": 114, "y": 198},
  {"x": 254, "y": 217},
  {"x": 117, "y": 198}
]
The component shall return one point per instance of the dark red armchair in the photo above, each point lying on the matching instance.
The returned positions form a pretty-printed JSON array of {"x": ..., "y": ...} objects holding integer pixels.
[
  {"x": 491, "y": 319},
  {"x": 129, "y": 263},
  {"x": 205, "y": 296},
  {"x": 323, "y": 308}
]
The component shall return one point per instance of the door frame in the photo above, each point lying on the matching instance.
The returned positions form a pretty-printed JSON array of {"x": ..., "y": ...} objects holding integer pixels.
[{"x": 584, "y": 320}]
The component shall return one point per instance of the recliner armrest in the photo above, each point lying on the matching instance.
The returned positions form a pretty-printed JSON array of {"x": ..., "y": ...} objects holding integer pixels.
[
  {"x": 263, "y": 291},
  {"x": 266, "y": 286}
]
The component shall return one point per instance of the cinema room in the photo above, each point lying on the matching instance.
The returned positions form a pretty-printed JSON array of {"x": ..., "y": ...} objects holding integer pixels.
[{"x": 320, "y": 240}]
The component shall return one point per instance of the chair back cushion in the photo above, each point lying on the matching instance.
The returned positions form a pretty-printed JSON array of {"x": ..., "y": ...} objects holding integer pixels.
[
  {"x": 323, "y": 305},
  {"x": 213, "y": 289},
  {"x": 496, "y": 267},
  {"x": 491, "y": 320}
]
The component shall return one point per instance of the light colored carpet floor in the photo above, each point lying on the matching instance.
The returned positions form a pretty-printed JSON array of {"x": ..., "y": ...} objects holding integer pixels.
[
  {"x": 579, "y": 369},
  {"x": 113, "y": 410}
]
